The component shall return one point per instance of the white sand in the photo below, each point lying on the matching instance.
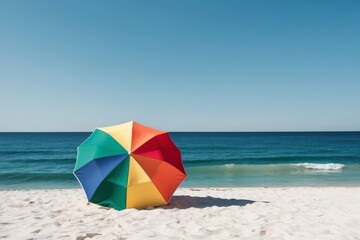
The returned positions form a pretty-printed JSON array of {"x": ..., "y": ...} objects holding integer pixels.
[{"x": 246, "y": 213}]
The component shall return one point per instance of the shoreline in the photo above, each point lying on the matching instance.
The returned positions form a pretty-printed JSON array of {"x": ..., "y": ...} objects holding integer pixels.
[
  {"x": 355, "y": 185},
  {"x": 247, "y": 212}
]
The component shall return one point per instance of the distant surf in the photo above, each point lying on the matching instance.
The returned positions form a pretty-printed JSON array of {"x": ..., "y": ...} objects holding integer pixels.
[
  {"x": 321, "y": 166},
  {"x": 268, "y": 168}
]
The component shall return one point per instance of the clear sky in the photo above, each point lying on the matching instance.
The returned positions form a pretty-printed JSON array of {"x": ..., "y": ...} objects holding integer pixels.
[{"x": 180, "y": 65}]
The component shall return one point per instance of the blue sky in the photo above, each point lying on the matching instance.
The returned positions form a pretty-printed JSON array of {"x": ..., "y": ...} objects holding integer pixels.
[{"x": 180, "y": 65}]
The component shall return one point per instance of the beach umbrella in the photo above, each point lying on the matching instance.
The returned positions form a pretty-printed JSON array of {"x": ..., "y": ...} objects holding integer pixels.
[{"x": 129, "y": 166}]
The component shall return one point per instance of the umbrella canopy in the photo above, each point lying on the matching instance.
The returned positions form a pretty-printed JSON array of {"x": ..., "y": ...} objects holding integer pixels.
[{"x": 129, "y": 166}]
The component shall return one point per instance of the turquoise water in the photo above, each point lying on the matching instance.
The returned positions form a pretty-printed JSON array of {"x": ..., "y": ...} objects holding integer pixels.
[{"x": 46, "y": 160}]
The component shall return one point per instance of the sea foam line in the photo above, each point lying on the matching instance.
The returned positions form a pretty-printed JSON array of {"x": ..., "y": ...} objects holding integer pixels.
[
  {"x": 229, "y": 165},
  {"x": 320, "y": 166}
]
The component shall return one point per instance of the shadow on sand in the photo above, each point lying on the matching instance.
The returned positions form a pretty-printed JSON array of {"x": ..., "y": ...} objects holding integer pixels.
[{"x": 183, "y": 202}]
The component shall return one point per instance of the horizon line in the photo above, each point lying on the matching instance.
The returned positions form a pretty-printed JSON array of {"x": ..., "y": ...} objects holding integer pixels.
[{"x": 247, "y": 131}]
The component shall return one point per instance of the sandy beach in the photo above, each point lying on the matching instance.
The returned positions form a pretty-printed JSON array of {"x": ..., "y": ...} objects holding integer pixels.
[{"x": 193, "y": 213}]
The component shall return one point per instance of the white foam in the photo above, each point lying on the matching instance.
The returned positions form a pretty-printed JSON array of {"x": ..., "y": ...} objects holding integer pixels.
[
  {"x": 320, "y": 166},
  {"x": 229, "y": 165}
]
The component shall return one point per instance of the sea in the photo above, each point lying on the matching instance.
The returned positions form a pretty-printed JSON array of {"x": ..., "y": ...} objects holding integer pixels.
[{"x": 211, "y": 159}]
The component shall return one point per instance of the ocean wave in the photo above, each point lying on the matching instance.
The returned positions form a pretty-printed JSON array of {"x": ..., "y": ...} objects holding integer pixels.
[
  {"x": 21, "y": 177},
  {"x": 262, "y": 160},
  {"x": 269, "y": 169},
  {"x": 320, "y": 166},
  {"x": 229, "y": 165}
]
